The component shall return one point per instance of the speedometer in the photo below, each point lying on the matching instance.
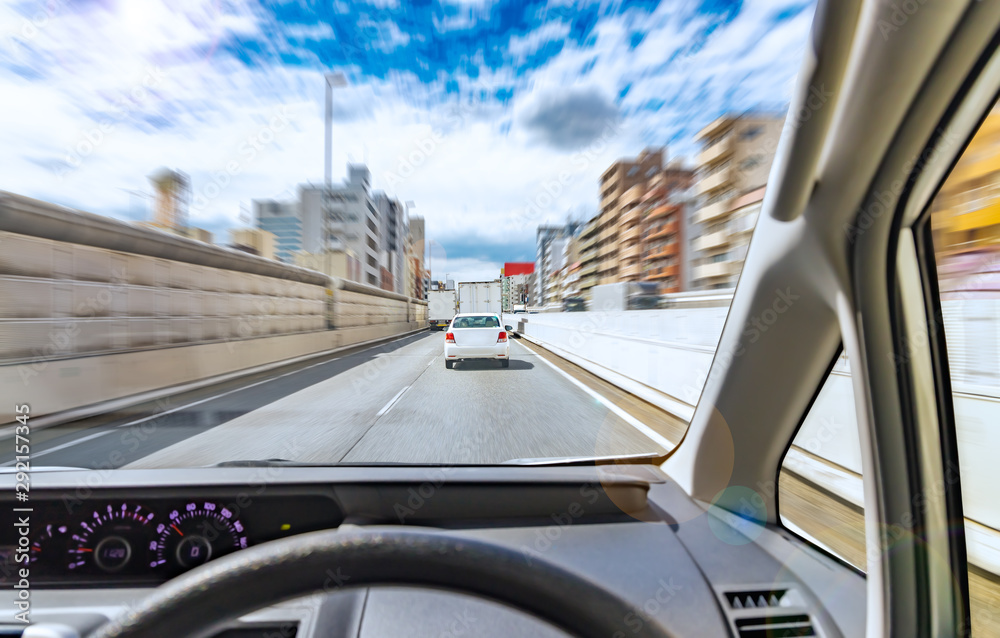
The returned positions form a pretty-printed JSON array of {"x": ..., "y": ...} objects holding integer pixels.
[
  {"x": 197, "y": 533},
  {"x": 114, "y": 538}
]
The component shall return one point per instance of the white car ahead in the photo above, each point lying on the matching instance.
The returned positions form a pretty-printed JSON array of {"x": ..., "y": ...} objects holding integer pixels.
[{"x": 476, "y": 336}]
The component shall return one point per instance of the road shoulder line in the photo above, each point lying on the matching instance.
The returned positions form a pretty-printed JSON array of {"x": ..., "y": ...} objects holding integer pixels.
[{"x": 649, "y": 432}]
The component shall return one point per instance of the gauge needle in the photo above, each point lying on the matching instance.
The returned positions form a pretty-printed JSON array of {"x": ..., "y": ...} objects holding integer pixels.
[{"x": 177, "y": 530}]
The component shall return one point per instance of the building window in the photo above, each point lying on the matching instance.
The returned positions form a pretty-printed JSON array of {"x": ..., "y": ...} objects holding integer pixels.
[{"x": 751, "y": 132}]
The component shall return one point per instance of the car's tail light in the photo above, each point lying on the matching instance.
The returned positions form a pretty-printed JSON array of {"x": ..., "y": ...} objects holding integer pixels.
[
  {"x": 449, "y": 338},
  {"x": 503, "y": 336}
]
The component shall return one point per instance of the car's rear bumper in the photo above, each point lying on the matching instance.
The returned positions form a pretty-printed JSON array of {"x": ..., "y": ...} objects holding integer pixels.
[
  {"x": 499, "y": 351},
  {"x": 441, "y": 323}
]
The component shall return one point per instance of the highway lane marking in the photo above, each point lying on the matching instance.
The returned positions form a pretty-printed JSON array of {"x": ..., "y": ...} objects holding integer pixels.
[
  {"x": 194, "y": 403},
  {"x": 652, "y": 434},
  {"x": 388, "y": 406},
  {"x": 35, "y": 455},
  {"x": 247, "y": 387},
  {"x": 391, "y": 402}
]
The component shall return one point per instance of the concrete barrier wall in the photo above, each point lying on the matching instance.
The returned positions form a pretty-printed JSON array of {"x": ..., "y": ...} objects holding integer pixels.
[
  {"x": 60, "y": 299},
  {"x": 629, "y": 348},
  {"x": 94, "y": 310},
  {"x": 77, "y": 386}
]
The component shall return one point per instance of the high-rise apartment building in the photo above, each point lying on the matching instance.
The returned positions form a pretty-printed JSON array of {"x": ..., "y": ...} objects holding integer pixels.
[
  {"x": 736, "y": 157},
  {"x": 661, "y": 229},
  {"x": 610, "y": 247}
]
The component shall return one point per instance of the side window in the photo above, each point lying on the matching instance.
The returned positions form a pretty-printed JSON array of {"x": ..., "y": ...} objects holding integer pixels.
[
  {"x": 820, "y": 484},
  {"x": 820, "y": 488},
  {"x": 965, "y": 226}
]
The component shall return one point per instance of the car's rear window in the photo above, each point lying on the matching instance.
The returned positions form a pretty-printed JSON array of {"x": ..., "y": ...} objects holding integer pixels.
[{"x": 476, "y": 322}]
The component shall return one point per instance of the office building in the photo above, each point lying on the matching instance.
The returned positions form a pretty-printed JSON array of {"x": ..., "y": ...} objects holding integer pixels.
[
  {"x": 551, "y": 242},
  {"x": 282, "y": 220}
]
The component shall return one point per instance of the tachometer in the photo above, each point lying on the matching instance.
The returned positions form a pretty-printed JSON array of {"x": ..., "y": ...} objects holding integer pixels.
[
  {"x": 197, "y": 533},
  {"x": 112, "y": 539},
  {"x": 49, "y": 548}
]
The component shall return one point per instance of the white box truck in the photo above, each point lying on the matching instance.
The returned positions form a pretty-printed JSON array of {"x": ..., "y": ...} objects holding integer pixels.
[
  {"x": 442, "y": 306},
  {"x": 480, "y": 296}
]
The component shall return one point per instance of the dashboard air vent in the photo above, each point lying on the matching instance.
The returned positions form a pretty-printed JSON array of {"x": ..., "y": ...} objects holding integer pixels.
[
  {"x": 775, "y": 626},
  {"x": 756, "y": 599}
]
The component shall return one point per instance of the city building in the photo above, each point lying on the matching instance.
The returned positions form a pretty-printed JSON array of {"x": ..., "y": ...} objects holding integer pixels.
[
  {"x": 332, "y": 263},
  {"x": 173, "y": 193},
  {"x": 282, "y": 220},
  {"x": 570, "y": 276},
  {"x": 690, "y": 231},
  {"x": 722, "y": 246},
  {"x": 170, "y": 206},
  {"x": 550, "y": 249},
  {"x": 587, "y": 246},
  {"x": 610, "y": 244},
  {"x": 343, "y": 218},
  {"x": 661, "y": 229},
  {"x": 349, "y": 219},
  {"x": 516, "y": 278},
  {"x": 736, "y": 157},
  {"x": 198, "y": 234},
  {"x": 191, "y": 232},
  {"x": 254, "y": 241},
  {"x": 418, "y": 277},
  {"x": 393, "y": 226}
]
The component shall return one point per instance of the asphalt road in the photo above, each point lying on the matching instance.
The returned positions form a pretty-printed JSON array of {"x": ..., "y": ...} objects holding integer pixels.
[
  {"x": 392, "y": 403},
  {"x": 397, "y": 403}
]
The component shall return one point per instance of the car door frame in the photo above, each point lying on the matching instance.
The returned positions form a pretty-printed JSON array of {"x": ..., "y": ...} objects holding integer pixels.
[{"x": 843, "y": 227}]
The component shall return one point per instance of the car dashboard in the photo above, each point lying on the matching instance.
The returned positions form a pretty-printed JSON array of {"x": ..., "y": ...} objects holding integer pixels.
[{"x": 98, "y": 542}]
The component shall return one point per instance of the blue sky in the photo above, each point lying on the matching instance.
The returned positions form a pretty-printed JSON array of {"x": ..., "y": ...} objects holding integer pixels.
[{"x": 492, "y": 116}]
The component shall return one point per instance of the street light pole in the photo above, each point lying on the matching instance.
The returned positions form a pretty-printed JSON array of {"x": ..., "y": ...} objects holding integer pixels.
[{"x": 332, "y": 79}]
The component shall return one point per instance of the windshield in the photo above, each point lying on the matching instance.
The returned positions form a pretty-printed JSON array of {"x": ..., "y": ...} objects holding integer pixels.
[
  {"x": 222, "y": 224},
  {"x": 476, "y": 322}
]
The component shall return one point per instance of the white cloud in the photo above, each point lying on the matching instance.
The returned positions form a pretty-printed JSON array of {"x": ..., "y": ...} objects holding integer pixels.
[
  {"x": 520, "y": 47},
  {"x": 475, "y": 172},
  {"x": 384, "y": 36}
]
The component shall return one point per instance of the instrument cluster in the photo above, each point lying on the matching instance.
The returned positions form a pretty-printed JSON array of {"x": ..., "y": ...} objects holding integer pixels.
[{"x": 152, "y": 540}]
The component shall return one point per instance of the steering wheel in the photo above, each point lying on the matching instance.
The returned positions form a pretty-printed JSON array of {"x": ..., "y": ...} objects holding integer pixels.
[{"x": 198, "y": 602}]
